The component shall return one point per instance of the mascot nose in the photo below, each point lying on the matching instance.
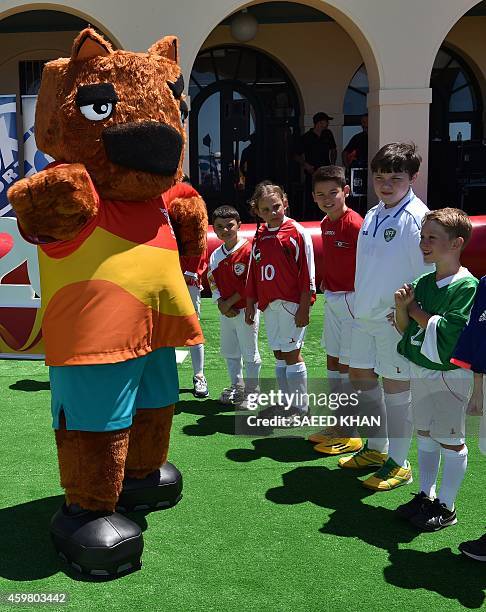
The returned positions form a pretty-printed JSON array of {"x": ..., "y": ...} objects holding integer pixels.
[{"x": 148, "y": 146}]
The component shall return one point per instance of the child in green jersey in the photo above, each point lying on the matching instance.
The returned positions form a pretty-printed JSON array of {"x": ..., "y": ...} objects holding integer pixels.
[{"x": 430, "y": 314}]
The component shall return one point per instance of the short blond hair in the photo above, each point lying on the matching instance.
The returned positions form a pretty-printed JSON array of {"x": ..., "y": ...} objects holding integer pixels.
[{"x": 454, "y": 221}]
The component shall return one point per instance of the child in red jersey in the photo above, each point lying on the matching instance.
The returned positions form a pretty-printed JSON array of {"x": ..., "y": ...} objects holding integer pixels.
[
  {"x": 193, "y": 268},
  {"x": 228, "y": 271},
  {"x": 281, "y": 281},
  {"x": 340, "y": 230}
]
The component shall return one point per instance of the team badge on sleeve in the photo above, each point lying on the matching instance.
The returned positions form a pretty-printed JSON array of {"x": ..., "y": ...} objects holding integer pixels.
[
  {"x": 389, "y": 234},
  {"x": 239, "y": 268}
]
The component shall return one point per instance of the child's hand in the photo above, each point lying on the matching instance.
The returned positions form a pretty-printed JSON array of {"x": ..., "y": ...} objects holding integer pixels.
[
  {"x": 250, "y": 315},
  {"x": 223, "y": 306},
  {"x": 404, "y": 296},
  {"x": 302, "y": 316},
  {"x": 231, "y": 313},
  {"x": 475, "y": 405}
]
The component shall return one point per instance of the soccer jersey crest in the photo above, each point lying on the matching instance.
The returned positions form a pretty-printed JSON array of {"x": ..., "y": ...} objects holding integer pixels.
[
  {"x": 239, "y": 268},
  {"x": 389, "y": 234}
]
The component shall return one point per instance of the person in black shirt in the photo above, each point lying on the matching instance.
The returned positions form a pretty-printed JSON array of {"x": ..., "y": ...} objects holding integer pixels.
[
  {"x": 355, "y": 153},
  {"x": 316, "y": 148}
]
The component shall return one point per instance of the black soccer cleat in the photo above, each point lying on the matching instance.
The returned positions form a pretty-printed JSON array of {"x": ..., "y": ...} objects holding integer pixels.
[
  {"x": 433, "y": 517},
  {"x": 475, "y": 549},
  {"x": 414, "y": 506},
  {"x": 99, "y": 544},
  {"x": 160, "y": 489}
]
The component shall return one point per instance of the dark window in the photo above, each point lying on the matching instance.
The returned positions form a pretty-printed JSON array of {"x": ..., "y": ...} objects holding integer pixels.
[
  {"x": 355, "y": 104},
  {"x": 30, "y": 73}
]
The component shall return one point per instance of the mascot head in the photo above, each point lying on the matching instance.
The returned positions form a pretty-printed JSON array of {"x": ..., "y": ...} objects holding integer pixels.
[{"x": 116, "y": 112}]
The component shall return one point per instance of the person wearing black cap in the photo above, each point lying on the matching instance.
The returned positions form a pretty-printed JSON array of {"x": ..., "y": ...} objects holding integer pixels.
[{"x": 316, "y": 148}]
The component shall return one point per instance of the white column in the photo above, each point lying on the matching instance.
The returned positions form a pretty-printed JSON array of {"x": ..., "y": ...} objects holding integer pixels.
[{"x": 400, "y": 115}]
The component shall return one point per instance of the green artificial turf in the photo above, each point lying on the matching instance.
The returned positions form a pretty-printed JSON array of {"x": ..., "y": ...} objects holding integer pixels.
[{"x": 265, "y": 524}]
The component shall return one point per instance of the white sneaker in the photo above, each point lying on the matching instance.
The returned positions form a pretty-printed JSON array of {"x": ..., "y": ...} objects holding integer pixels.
[
  {"x": 245, "y": 402},
  {"x": 232, "y": 395},
  {"x": 239, "y": 395},
  {"x": 200, "y": 386},
  {"x": 227, "y": 395}
]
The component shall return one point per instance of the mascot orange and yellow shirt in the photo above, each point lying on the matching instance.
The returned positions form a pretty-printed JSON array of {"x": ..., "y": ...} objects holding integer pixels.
[{"x": 116, "y": 291}]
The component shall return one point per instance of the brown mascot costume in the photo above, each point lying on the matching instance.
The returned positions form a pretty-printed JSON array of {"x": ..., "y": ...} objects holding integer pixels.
[{"x": 114, "y": 300}]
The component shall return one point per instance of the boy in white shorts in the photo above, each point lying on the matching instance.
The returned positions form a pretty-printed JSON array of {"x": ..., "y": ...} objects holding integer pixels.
[
  {"x": 281, "y": 280},
  {"x": 340, "y": 230},
  {"x": 193, "y": 268},
  {"x": 431, "y": 313},
  {"x": 388, "y": 256},
  {"x": 228, "y": 271}
]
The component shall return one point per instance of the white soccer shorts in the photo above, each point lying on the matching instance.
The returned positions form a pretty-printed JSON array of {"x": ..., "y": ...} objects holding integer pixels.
[
  {"x": 238, "y": 339},
  {"x": 374, "y": 347},
  {"x": 439, "y": 402},
  {"x": 338, "y": 320},
  {"x": 282, "y": 333}
]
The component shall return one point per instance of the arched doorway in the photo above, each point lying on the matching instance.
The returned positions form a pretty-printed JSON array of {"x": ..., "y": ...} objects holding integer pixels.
[
  {"x": 244, "y": 115},
  {"x": 355, "y": 103},
  {"x": 457, "y": 155}
]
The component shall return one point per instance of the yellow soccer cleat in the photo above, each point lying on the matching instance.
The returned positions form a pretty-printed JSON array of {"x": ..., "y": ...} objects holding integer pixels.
[
  {"x": 365, "y": 458},
  {"x": 389, "y": 476},
  {"x": 323, "y": 435},
  {"x": 338, "y": 446}
]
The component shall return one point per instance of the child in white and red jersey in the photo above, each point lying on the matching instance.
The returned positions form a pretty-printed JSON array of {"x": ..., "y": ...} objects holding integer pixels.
[
  {"x": 281, "y": 280},
  {"x": 340, "y": 230},
  {"x": 228, "y": 271},
  {"x": 193, "y": 268}
]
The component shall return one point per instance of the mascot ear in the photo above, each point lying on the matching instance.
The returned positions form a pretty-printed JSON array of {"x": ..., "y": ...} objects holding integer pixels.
[
  {"x": 166, "y": 47},
  {"x": 90, "y": 44}
]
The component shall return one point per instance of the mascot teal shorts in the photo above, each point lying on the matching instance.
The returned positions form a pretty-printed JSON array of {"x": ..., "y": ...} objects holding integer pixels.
[{"x": 105, "y": 397}]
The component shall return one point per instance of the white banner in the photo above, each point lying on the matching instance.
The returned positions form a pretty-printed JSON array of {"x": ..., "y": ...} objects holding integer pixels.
[
  {"x": 34, "y": 160},
  {"x": 9, "y": 150}
]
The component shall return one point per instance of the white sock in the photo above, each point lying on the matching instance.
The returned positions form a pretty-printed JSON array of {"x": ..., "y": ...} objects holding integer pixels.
[
  {"x": 197, "y": 357},
  {"x": 371, "y": 403},
  {"x": 455, "y": 464},
  {"x": 429, "y": 463},
  {"x": 252, "y": 369},
  {"x": 281, "y": 375},
  {"x": 350, "y": 431},
  {"x": 234, "y": 370},
  {"x": 399, "y": 425},
  {"x": 297, "y": 386},
  {"x": 334, "y": 381}
]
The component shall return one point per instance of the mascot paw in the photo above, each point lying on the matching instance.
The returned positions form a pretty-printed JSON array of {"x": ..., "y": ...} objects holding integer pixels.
[
  {"x": 104, "y": 544},
  {"x": 56, "y": 202},
  {"x": 160, "y": 489}
]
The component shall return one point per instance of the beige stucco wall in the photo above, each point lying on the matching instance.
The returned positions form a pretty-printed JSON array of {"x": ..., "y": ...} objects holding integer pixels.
[
  {"x": 15, "y": 48},
  {"x": 397, "y": 40}
]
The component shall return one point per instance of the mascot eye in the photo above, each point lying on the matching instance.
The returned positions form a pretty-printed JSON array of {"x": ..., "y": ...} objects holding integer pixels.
[{"x": 97, "y": 111}]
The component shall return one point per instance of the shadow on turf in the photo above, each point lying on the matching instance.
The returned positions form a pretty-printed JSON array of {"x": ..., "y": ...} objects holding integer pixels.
[
  {"x": 443, "y": 572},
  {"x": 31, "y": 385},
  {"x": 26, "y": 550},
  {"x": 282, "y": 449},
  {"x": 450, "y": 575},
  {"x": 215, "y": 417}
]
